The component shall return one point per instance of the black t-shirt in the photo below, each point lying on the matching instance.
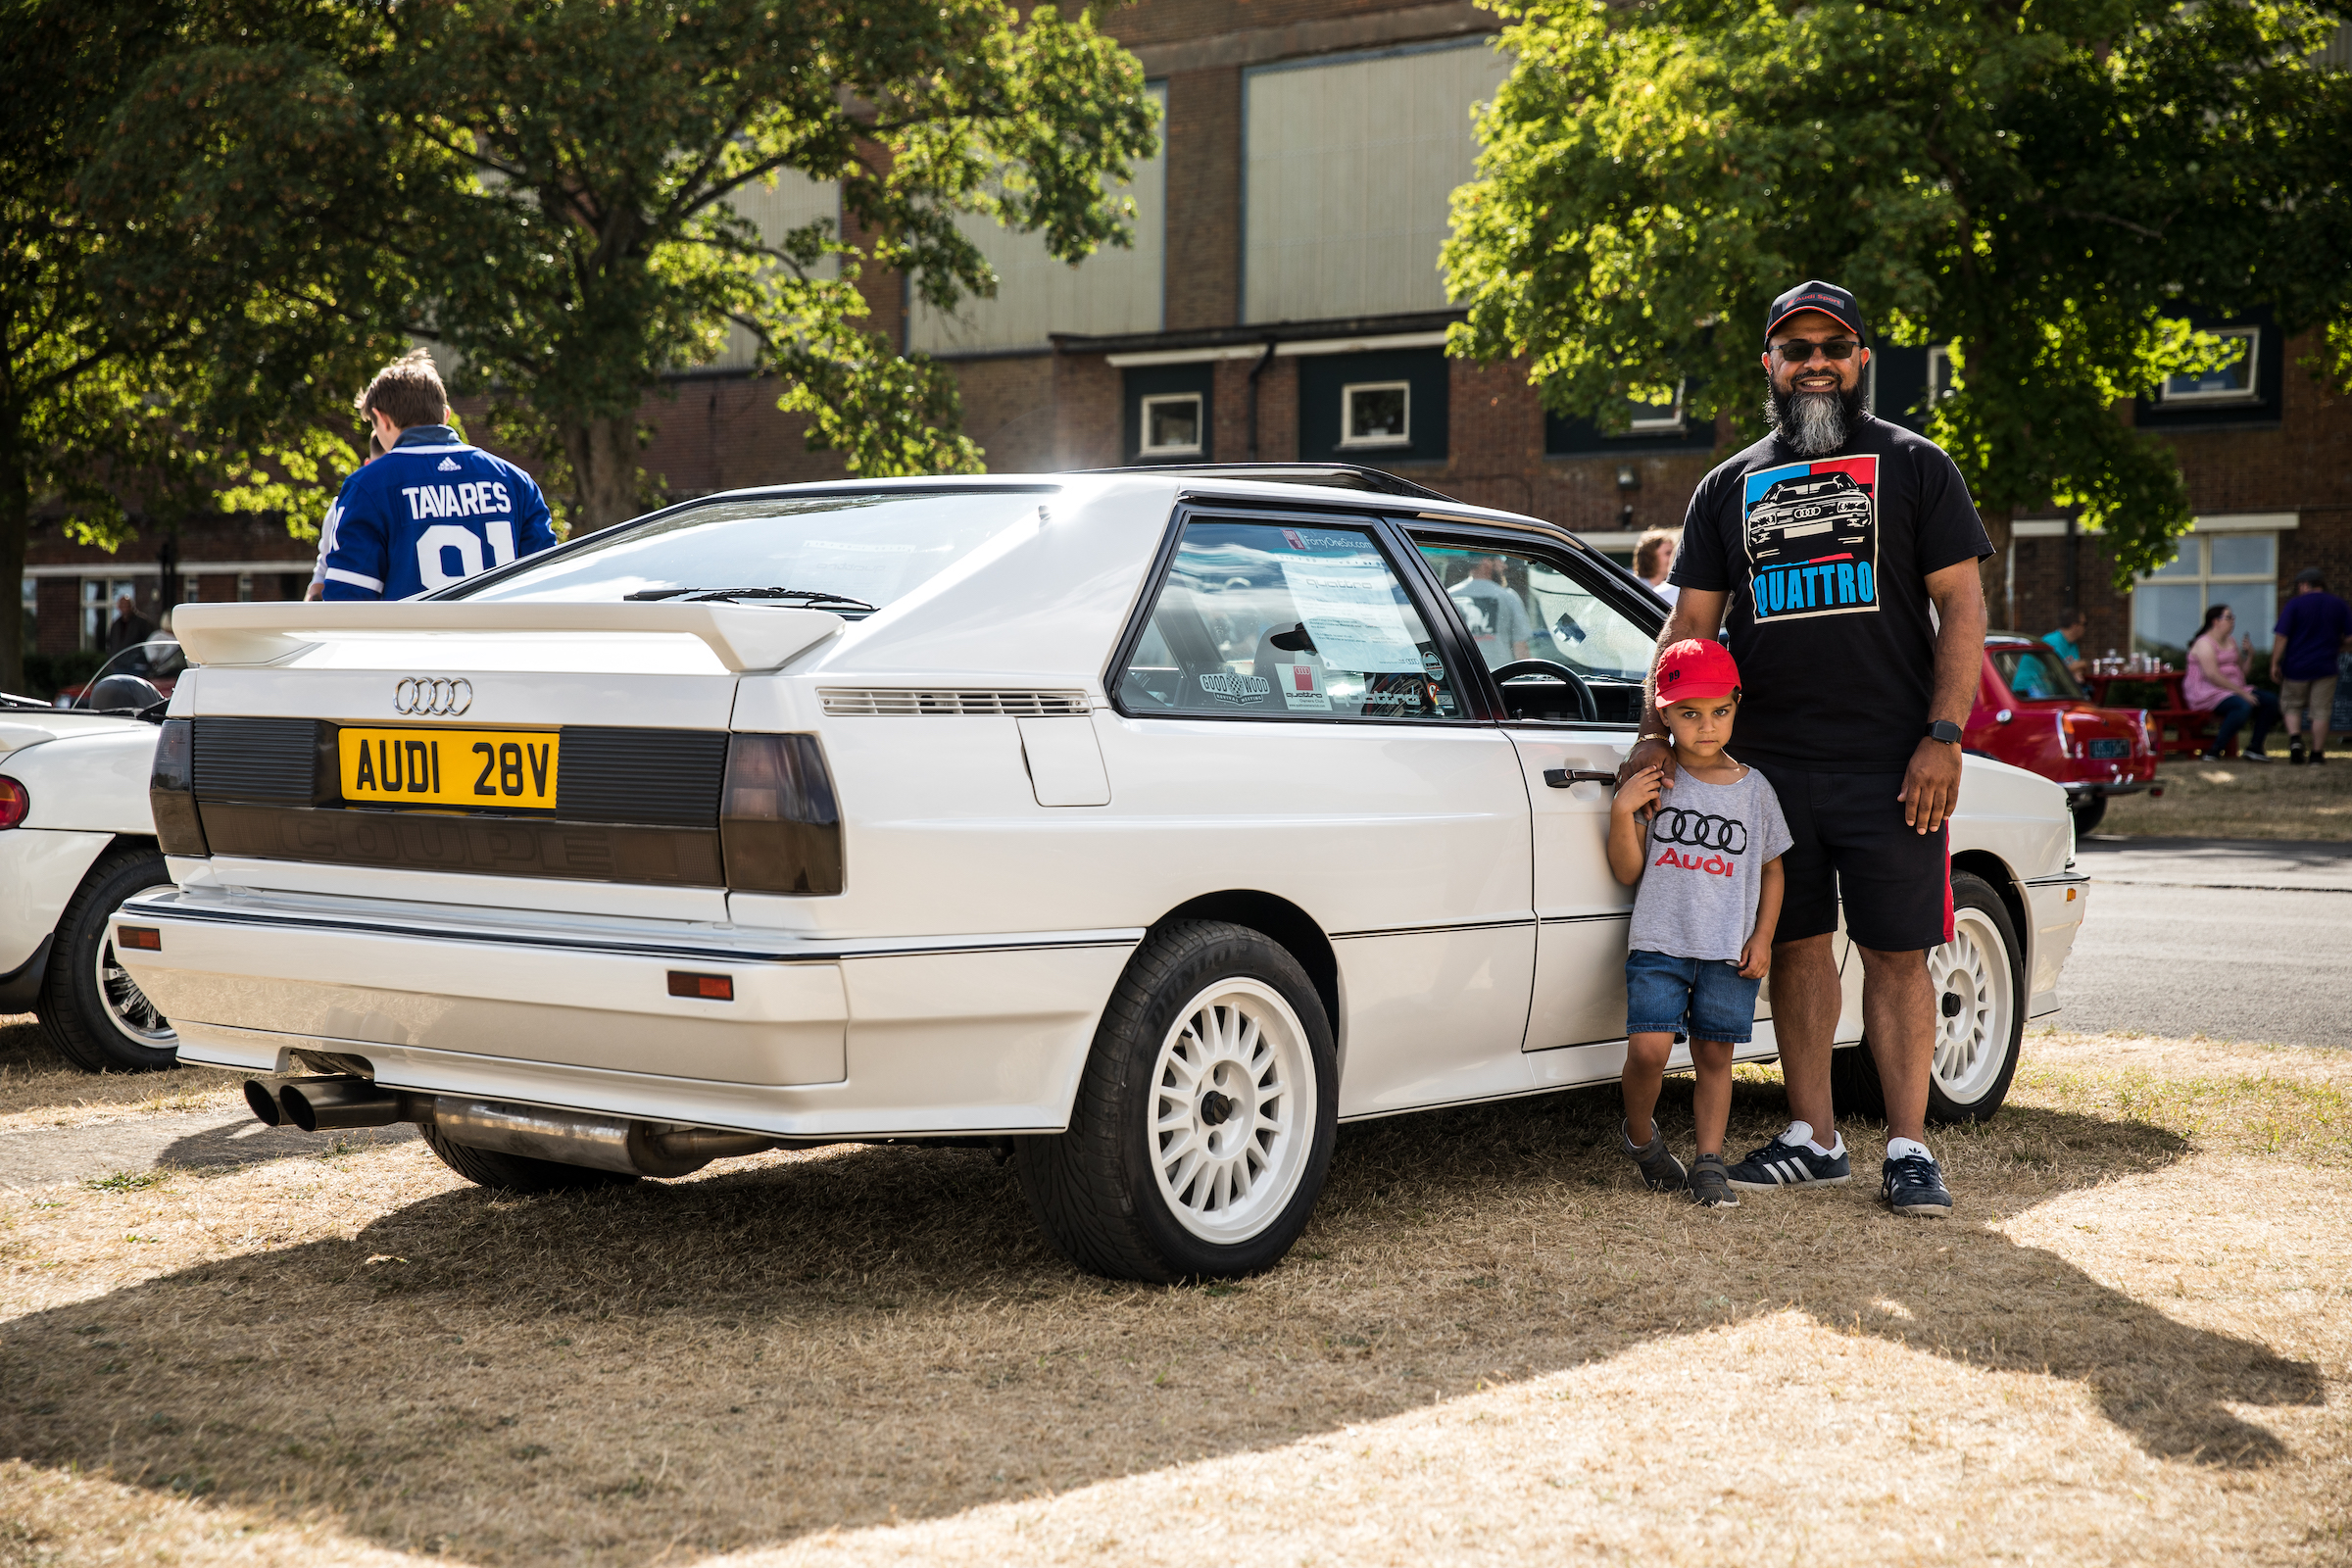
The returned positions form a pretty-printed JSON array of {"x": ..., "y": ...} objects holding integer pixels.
[{"x": 1826, "y": 559}]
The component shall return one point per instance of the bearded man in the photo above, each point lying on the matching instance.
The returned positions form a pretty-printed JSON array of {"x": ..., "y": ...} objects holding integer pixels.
[{"x": 1825, "y": 544}]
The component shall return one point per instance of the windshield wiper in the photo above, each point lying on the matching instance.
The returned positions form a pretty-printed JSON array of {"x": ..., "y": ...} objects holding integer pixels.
[{"x": 807, "y": 596}]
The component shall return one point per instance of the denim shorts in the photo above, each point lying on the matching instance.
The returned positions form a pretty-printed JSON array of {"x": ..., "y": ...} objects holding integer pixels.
[{"x": 1702, "y": 997}]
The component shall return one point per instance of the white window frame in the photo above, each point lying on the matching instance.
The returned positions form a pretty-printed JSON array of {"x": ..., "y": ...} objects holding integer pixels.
[
  {"x": 1939, "y": 374},
  {"x": 2214, "y": 587},
  {"x": 1143, "y": 432},
  {"x": 1348, "y": 435},
  {"x": 1671, "y": 422},
  {"x": 2251, "y": 392}
]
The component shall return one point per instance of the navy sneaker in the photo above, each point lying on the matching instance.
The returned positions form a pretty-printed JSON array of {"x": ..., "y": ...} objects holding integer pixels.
[
  {"x": 1913, "y": 1184},
  {"x": 1783, "y": 1163},
  {"x": 1661, "y": 1172},
  {"x": 1708, "y": 1188}
]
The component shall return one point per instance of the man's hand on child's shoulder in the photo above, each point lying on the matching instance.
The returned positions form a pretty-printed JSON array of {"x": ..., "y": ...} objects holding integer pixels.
[{"x": 1638, "y": 790}]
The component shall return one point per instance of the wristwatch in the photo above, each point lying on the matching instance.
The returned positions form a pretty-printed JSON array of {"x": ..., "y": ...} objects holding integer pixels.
[{"x": 1944, "y": 730}]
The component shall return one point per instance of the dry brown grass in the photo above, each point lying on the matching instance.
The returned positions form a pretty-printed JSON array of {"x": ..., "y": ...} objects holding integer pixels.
[
  {"x": 38, "y": 1088},
  {"x": 2135, "y": 1345},
  {"x": 2240, "y": 799}
]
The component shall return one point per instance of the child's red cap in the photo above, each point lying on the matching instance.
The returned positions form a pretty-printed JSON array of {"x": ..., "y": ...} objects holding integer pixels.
[{"x": 1697, "y": 669}]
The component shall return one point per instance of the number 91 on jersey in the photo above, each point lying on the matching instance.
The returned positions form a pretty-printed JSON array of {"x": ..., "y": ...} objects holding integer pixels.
[{"x": 496, "y": 769}]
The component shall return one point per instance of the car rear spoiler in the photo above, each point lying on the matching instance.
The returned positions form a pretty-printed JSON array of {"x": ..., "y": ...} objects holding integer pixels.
[{"x": 743, "y": 637}]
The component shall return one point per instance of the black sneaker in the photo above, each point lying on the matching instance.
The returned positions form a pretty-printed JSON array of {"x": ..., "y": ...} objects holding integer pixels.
[
  {"x": 1781, "y": 1163},
  {"x": 1913, "y": 1184},
  {"x": 1661, "y": 1172},
  {"x": 1709, "y": 1187},
  {"x": 2294, "y": 751}
]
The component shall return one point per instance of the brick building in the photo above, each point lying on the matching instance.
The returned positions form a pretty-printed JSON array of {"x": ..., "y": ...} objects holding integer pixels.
[{"x": 1282, "y": 301}]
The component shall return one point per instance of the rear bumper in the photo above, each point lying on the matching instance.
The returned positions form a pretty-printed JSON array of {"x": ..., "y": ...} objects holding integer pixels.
[
  {"x": 2093, "y": 788},
  {"x": 823, "y": 1039}
]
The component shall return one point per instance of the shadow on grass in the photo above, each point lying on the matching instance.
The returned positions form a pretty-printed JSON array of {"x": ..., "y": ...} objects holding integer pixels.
[{"x": 879, "y": 1334}]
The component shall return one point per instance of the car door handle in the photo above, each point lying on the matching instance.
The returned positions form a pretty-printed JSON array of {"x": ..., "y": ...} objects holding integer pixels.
[{"x": 1559, "y": 778}]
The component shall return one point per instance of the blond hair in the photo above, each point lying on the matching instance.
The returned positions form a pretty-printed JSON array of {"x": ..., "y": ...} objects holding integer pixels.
[{"x": 1646, "y": 552}]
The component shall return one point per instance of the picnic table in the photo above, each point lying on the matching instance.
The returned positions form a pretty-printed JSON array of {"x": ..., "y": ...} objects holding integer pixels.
[{"x": 2181, "y": 731}]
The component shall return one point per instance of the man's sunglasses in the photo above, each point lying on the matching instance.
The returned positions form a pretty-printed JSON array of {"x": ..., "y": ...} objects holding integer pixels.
[{"x": 1797, "y": 351}]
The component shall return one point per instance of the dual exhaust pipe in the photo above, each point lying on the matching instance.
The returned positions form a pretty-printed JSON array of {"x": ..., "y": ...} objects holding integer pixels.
[{"x": 595, "y": 1140}]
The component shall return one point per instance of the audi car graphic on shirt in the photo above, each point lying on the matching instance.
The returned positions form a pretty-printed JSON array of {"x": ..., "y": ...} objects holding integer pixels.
[{"x": 1811, "y": 530}]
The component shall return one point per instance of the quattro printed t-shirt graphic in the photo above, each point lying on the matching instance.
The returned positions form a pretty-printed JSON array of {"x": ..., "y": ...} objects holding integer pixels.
[{"x": 1812, "y": 536}]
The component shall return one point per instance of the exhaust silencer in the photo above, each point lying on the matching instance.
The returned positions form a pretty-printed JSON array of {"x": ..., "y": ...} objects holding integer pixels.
[{"x": 322, "y": 1104}]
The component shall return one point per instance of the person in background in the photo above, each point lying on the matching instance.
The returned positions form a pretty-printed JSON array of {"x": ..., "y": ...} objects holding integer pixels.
[
  {"x": 326, "y": 530},
  {"x": 2216, "y": 683},
  {"x": 2313, "y": 631},
  {"x": 1499, "y": 621},
  {"x": 2066, "y": 641},
  {"x": 433, "y": 510},
  {"x": 128, "y": 628},
  {"x": 1653, "y": 559}
]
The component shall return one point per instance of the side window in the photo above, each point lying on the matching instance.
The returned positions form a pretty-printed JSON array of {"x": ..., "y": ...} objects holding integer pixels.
[
  {"x": 1521, "y": 605},
  {"x": 1261, "y": 620}
]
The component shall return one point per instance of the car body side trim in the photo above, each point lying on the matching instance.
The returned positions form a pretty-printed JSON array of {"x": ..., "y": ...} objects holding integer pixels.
[
  {"x": 170, "y": 907},
  {"x": 1428, "y": 930}
]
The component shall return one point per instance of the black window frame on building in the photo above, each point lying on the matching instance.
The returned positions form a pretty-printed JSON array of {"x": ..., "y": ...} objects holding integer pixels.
[
  {"x": 1323, "y": 382},
  {"x": 1197, "y": 378},
  {"x": 2263, "y": 409},
  {"x": 1569, "y": 437}
]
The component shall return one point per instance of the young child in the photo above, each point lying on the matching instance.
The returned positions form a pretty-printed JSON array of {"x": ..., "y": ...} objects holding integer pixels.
[{"x": 1706, "y": 863}]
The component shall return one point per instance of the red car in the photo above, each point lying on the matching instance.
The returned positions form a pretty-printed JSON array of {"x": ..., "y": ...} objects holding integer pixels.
[{"x": 2030, "y": 713}]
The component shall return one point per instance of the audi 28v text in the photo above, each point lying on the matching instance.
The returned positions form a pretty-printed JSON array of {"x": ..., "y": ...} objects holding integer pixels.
[{"x": 1148, "y": 823}]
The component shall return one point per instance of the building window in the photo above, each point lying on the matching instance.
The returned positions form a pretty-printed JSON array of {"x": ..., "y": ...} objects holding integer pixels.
[
  {"x": 1656, "y": 418},
  {"x": 245, "y": 588},
  {"x": 2233, "y": 381},
  {"x": 1172, "y": 425},
  {"x": 1940, "y": 381},
  {"x": 2237, "y": 569},
  {"x": 1376, "y": 414}
]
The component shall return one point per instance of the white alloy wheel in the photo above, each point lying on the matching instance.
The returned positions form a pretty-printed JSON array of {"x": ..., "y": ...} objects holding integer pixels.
[
  {"x": 126, "y": 1005},
  {"x": 1975, "y": 1005},
  {"x": 1233, "y": 1110}
]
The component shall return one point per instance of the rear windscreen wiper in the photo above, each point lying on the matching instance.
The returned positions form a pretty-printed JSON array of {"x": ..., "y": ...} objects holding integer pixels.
[{"x": 807, "y": 596}]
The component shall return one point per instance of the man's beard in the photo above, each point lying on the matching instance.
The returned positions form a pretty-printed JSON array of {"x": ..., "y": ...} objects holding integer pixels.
[{"x": 1813, "y": 423}]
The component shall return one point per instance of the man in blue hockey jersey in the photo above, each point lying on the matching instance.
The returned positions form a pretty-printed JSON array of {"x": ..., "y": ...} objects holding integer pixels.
[{"x": 431, "y": 510}]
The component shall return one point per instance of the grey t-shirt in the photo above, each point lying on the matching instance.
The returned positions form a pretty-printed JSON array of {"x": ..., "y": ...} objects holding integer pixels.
[
  {"x": 1498, "y": 620},
  {"x": 1703, "y": 866}
]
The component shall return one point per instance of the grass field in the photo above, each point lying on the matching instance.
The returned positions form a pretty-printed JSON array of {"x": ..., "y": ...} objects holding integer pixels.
[
  {"x": 2240, "y": 800},
  {"x": 2133, "y": 1346}
]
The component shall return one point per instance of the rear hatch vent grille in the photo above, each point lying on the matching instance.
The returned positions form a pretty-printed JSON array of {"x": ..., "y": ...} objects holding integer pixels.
[{"x": 906, "y": 703}]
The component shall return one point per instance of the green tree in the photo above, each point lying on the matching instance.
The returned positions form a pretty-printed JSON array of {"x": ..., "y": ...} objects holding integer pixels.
[
  {"x": 2051, "y": 189},
  {"x": 151, "y": 368},
  {"x": 563, "y": 180}
]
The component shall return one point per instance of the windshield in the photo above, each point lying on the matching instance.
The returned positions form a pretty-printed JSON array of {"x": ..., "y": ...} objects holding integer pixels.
[
  {"x": 872, "y": 548},
  {"x": 2036, "y": 672}
]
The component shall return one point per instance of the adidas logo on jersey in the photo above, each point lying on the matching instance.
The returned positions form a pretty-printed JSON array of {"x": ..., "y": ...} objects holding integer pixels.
[{"x": 447, "y": 466}]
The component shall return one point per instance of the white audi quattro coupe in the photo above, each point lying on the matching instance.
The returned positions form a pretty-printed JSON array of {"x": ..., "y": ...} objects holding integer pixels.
[{"x": 1150, "y": 823}]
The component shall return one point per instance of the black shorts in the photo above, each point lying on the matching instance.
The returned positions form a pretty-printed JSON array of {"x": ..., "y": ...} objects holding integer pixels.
[{"x": 1850, "y": 843}]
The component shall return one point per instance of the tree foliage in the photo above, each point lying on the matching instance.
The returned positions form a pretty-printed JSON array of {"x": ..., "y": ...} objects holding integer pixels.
[
  {"x": 564, "y": 183},
  {"x": 2053, "y": 189}
]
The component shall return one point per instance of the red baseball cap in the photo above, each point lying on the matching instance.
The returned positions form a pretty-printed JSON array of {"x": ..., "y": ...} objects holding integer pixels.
[{"x": 1697, "y": 669}]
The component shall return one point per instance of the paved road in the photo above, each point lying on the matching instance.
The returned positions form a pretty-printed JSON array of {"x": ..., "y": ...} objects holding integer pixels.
[
  {"x": 46, "y": 1156},
  {"x": 2235, "y": 940}
]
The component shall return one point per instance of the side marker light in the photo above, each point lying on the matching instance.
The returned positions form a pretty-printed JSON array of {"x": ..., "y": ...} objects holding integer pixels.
[
  {"x": 144, "y": 937},
  {"x": 703, "y": 987}
]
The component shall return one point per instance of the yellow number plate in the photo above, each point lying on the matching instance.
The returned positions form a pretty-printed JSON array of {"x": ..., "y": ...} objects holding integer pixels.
[{"x": 498, "y": 769}]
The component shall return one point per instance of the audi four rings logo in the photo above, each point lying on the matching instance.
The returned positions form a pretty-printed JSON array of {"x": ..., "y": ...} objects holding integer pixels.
[
  {"x": 418, "y": 694},
  {"x": 1675, "y": 826}
]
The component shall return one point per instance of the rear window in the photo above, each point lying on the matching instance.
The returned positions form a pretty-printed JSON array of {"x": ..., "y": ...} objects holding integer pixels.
[{"x": 872, "y": 548}]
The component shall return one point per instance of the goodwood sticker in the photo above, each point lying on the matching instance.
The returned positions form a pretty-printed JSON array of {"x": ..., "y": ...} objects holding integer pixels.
[{"x": 1234, "y": 690}]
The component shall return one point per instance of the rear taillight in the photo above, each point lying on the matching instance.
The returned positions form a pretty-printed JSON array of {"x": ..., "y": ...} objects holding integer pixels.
[
  {"x": 172, "y": 791},
  {"x": 14, "y": 803},
  {"x": 779, "y": 826}
]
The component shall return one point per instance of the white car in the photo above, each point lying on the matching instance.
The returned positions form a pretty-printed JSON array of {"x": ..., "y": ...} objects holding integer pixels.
[
  {"x": 1153, "y": 821},
  {"x": 76, "y": 841}
]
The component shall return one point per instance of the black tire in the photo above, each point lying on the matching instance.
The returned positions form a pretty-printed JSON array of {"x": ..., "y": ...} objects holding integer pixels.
[
  {"x": 2088, "y": 810},
  {"x": 91, "y": 1008},
  {"x": 1097, "y": 1190},
  {"x": 516, "y": 1173},
  {"x": 1854, "y": 1085}
]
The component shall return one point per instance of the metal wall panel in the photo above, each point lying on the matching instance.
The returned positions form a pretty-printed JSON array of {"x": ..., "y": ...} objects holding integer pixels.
[
  {"x": 1112, "y": 291},
  {"x": 1350, "y": 166},
  {"x": 797, "y": 202}
]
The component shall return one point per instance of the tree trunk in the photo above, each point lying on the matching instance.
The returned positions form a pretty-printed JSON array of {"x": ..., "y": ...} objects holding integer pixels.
[
  {"x": 603, "y": 453},
  {"x": 15, "y": 524},
  {"x": 1997, "y": 570}
]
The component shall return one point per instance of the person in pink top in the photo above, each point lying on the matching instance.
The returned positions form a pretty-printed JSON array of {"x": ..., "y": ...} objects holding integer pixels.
[{"x": 2215, "y": 683}]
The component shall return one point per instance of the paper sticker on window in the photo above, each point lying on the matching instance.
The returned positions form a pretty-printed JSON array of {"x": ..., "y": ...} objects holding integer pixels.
[
  {"x": 1226, "y": 687},
  {"x": 1350, "y": 610},
  {"x": 1303, "y": 688}
]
